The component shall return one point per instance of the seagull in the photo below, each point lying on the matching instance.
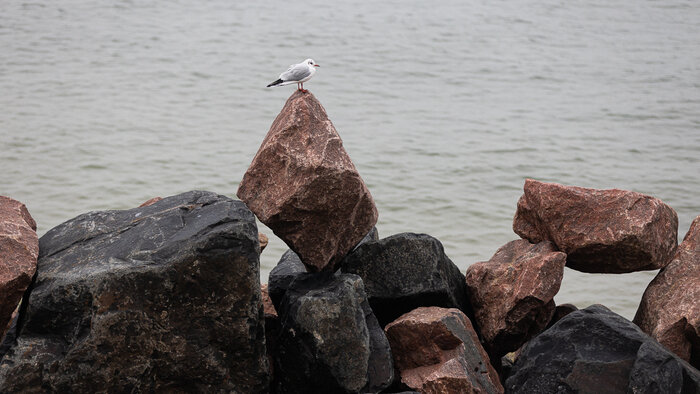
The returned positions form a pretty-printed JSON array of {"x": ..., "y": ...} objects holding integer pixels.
[{"x": 297, "y": 73}]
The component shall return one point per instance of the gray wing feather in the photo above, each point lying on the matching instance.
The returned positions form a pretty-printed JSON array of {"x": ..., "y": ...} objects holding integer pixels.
[{"x": 296, "y": 72}]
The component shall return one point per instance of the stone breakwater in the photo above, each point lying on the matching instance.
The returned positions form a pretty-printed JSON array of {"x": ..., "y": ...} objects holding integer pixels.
[{"x": 167, "y": 297}]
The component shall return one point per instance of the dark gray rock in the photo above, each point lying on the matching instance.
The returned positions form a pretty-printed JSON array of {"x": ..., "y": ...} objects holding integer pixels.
[
  {"x": 164, "y": 298},
  {"x": 330, "y": 341},
  {"x": 594, "y": 350},
  {"x": 560, "y": 311},
  {"x": 407, "y": 271},
  {"x": 290, "y": 266},
  {"x": 656, "y": 370}
]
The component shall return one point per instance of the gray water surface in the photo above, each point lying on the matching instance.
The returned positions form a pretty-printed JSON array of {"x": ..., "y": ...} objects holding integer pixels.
[{"x": 445, "y": 107}]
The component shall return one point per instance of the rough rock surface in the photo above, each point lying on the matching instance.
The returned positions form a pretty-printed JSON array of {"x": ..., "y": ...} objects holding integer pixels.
[
  {"x": 594, "y": 350},
  {"x": 513, "y": 293},
  {"x": 606, "y": 231},
  {"x": 670, "y": 307},
  {"x": 329, "y": 340},
  {"x": 406, "y": 271},
  {"x": 303, "y": 185},
  {"x": 290, "y": 266},
  {"x": 164, "y": 298},
  {"x": 437, "y": 351},
  {"x": 19, "y": 248}
]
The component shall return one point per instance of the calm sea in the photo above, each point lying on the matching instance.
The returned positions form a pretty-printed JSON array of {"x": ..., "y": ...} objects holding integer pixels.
[{"x": 445, "y": 107}]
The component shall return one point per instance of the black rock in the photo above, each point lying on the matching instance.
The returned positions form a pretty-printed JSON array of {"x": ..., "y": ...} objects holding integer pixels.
[
  {"x": 560, "y": 311},
  {"x": 290, "y": 266},
  {"x": 329, "y": 340},
  {"x": 164, "y": 298},
  {"x": 658, "y": 370},
  {"x": 595, "y": 350},
  {"x": 407, "y": 271}
]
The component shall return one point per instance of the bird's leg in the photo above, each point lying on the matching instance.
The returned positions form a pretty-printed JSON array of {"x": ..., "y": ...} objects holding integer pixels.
[{"x": 302, "y": 88}]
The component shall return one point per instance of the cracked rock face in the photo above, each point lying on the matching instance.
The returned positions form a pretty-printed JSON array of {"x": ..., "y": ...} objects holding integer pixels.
[
  {"x": 670, "y": 307},
  {"x": 436, "y": 350},
  {"x": 159, "y": 298},
  {"x": 601, "y": 231},
  {"x": 303, "y": 185},
  {"x": 19, "y": 248}
]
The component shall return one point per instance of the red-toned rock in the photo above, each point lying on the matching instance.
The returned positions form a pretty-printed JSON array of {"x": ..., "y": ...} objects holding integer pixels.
[
  {"x": 436, "y": 350},
  {"x": 150, "y": 202},
  {"x": 670, "y": 307},
  {"x": 268, "y": 307},
  {"x": 272, "y": 327},
  {"x": 303, "y": 185},
  {"x": 263, "y": 241},
  {"x": 605, "y": 231},
  {"x": 513, "y": 293},
  {"x": 19, "y": 248}
]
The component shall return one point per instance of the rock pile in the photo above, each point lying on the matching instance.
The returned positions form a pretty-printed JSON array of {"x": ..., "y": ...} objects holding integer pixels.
[{"x": 167, "y": 297}]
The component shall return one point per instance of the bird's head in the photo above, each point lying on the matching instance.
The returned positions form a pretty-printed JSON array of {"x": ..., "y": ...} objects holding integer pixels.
[{"x": 311, "y": 63}]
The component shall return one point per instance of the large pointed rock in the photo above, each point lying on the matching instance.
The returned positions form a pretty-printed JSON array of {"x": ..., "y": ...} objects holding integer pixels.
[
  {"x": 512, "y": 294},
  {"x": 164, "y": 298},
  {"x": 605, "y": 231},
  {"x": 19, "y": 248},
  {"x": 436, "y": 350},
  {"x": 670, "y": 307},
  {"x": 303, "y": 185}
]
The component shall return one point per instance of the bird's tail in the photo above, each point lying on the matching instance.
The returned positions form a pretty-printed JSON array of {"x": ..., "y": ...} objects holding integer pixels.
[{"x": 277, "y": 82}]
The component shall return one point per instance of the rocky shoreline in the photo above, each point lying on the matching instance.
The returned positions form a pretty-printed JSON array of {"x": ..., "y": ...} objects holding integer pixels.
[{"x": 167, "y": 297}]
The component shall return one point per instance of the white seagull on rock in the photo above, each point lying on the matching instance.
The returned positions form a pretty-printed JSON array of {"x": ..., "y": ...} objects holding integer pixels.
[{"x": 298, "y": 74}]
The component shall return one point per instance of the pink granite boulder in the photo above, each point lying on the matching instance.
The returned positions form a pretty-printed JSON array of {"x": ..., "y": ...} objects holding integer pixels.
[
  {"x": 19, "y": 249},
  {"x": 513, "y": 293},
  {"x": 670, "y": 307},
  {"x": 303, "y": 185},
  {"x": 436, "y": 350},
  {"x": 604, "y": 231}
]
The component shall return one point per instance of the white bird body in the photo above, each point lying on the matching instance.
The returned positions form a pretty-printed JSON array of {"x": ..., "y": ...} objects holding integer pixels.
[{"x": 297, "y": 73}]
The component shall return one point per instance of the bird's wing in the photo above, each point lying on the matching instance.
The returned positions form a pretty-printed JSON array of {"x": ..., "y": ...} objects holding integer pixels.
[{"x": 296, "y": 72}]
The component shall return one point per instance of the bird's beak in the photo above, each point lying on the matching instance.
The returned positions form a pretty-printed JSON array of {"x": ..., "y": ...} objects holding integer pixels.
[{"x": 316, "y": 65}]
